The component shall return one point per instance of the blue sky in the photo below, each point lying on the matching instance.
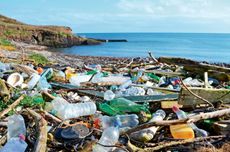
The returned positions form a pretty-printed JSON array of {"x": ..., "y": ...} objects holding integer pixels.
[{"x": 124, "y": 15}]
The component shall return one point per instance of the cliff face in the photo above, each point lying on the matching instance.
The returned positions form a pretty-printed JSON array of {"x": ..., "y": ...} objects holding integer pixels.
[{"x": 51, "y": 36}]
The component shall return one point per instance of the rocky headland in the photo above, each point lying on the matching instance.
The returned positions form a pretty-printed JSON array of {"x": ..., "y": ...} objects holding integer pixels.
[{"x": 50, "y": 36}]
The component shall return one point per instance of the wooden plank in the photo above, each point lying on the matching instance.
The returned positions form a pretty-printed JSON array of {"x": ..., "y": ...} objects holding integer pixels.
[
  {"x": 168, "y": 104},
  {"x": 212, "y": 95}
]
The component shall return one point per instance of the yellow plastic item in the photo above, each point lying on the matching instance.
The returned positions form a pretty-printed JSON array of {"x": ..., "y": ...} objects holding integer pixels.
[{"x": 182, "y": 131}]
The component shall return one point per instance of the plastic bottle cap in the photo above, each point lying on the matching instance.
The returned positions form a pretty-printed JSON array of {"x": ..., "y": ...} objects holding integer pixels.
[
  {"x": 175, "y": 109},
  {"x": 97, "y": 123},
  {"x": 22, "y": 137}
]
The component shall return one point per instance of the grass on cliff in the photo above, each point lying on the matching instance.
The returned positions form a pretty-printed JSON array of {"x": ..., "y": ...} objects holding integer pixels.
[
  {"x": 5, "y": 42},
  {"x": 6, "y": 45},
  {"x": 38, "y": 58}
]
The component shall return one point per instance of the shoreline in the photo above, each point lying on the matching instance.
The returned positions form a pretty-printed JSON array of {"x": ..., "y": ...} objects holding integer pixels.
[{"x": 78, "y": 60}]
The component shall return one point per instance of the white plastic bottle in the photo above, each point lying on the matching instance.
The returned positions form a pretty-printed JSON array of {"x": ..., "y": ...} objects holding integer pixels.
[
  {"x": 66, "y": 110},
  {"x": 15, "y": 126},
  {"x": 109, "y": 137},
  {"x": 34, "y": 80},
  {"x": 148, "y": 133},
  {"x": 15, "y": 144}
]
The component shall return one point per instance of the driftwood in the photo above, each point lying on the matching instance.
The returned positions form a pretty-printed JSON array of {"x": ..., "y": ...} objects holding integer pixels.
[
  {"x": 196, "y": 68},
  {"x": 206, "y": 101},
  {"x": 153, "y": 58},
  {"x": 12, "y": 106},
  {"x": 191, "y": 119},
  {"x": 162, "y": 145},
  {"x": 41, "y": 123}
]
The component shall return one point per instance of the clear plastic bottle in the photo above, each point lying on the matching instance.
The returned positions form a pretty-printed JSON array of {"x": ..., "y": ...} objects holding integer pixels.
[
  {"x": 139, "y": 74},
  {"x": 152, "y": 92},
  {"x": 148, "y": 133},
  {"x": 125, "y": 85},
  {"x": 109, "y": 95},
  {"x": 15, "y": 144},
  {"x": 124, "y": 121},
  {"x": 135, "y": 91},
  {"x": 97, "y": 78},
  {"x": 15, "y": 126},
  {"x": 109, "y": 137},
  {"x": 78, "y": 79},
  {"x": 181, "y": 115},
  {"x": 66, "y": 110},
  {"x": 43, "y": 84},
  {"x": 34, "y": 80}
]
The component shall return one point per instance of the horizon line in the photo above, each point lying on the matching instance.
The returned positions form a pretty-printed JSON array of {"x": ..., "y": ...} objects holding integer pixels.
[{"x": 155, "y": 32}]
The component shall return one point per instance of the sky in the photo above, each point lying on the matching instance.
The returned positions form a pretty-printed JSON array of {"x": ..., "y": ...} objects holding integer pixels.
[{"x": 93, "y": 16}]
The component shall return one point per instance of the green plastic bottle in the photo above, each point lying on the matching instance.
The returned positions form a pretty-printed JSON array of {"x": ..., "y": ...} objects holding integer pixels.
[
  {"x": 122, "y": 105},
  {"x": 154, "y": 77}
]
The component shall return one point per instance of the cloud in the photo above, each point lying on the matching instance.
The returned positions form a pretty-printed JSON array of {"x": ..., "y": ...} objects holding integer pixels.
[{"x": 185, "y": 8}]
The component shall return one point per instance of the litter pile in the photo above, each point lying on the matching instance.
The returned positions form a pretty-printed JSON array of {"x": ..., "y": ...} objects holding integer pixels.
[{"x": 141, "y": 105}]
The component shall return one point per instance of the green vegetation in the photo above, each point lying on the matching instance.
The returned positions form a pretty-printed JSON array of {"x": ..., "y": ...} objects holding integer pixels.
[
  {"x": 5, "y": 42},
  {"x": 38, "y": 58}
]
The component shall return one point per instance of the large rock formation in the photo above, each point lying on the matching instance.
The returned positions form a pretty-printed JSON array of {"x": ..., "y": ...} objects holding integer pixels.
[{"x": 51, "y": 36}]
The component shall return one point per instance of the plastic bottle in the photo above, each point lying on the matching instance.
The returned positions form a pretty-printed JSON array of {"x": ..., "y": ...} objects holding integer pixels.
[
  {"x": 152, "y": 92},
  {"x": 154, "y": 77},
  {"x": 139, "y": 74},
  {"x": 109, "y": 95},
  {"x": 109, "y": 137},
  {"x": 125, "y": 105},
  {"x": 124, "y": 121},
  {"x": 34, "y": 80},
  {"x": 15, "y": 144},
  {"x": 125, "y": 85},
  {"x": 78, "y": 79},
  {"x": 66, "y": 110},
  {"x": 15, "y": 126},
  {"x": 48, "y": 73},
  {"x": 43, "y": 84},
  {"x": 192, "y": 82},
  {"x": 181, "y": 114},
  {"x": 148, "y": 133},
  {"x": 135, "y": 91}
]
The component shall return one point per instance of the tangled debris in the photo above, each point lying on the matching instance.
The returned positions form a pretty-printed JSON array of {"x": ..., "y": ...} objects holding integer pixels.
[{"x": 141, "y": 104}]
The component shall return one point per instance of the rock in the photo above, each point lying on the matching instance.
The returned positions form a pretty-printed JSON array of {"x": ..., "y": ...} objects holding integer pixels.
[{"x": 50, "y": 36}]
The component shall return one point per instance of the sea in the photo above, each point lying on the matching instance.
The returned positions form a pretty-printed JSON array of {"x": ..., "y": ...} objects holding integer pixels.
[{"x": 210, "y": 47}]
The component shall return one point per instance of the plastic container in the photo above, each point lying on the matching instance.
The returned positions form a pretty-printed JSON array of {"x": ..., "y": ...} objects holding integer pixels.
[
  {"x": 124, "y": 121},
  {"x": 139, "y": 74},
  {"x": 135, "y": 91},
  {"x": 15, "y": 79},
  {"x": 78, "y": 79},
  {"x": 181, "y": 115},
  {"x": 125, "y": 105},
  {"x": 109, "y": 137},
  {"x": 109, "y": 95},
  {"x": 15, "y": 126},
  {"x": 43, "y": 84},
  {"x": 65, "y": 110},
  {"x": 182, "y": 131},
  {"x": 148, "y": 134},
  {"x": 152, "y": 92},
  {"x": 125, "y": 85},
  {"x": 48, "y": 73},
  {"x": 192, "y": 82},
  {"x": 15, "y": 144},
  {"x": 34, "y": 80}
]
